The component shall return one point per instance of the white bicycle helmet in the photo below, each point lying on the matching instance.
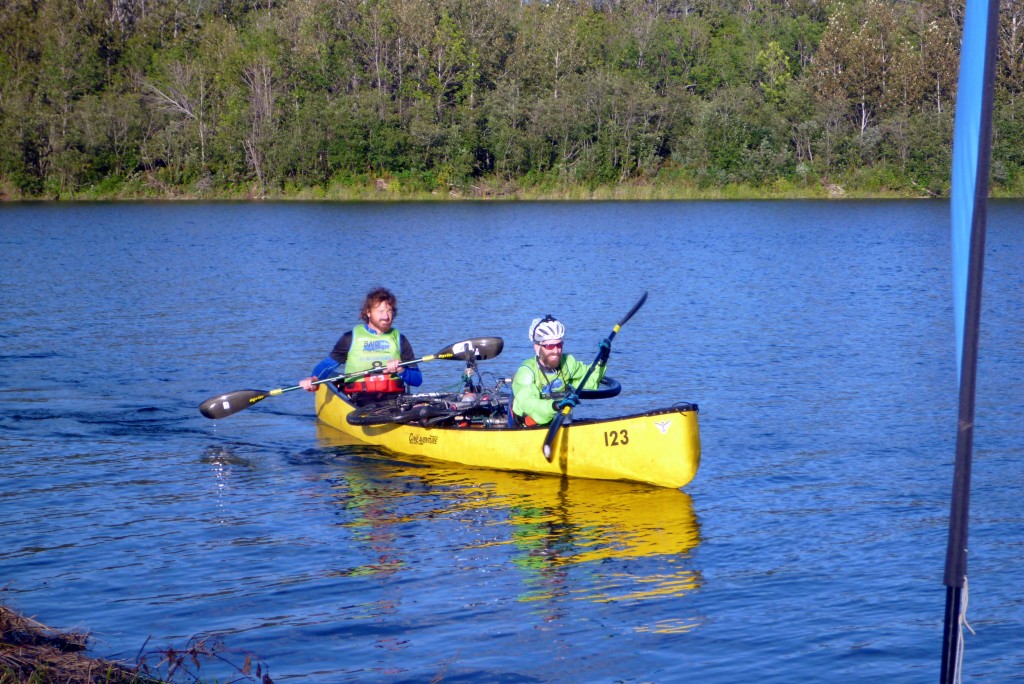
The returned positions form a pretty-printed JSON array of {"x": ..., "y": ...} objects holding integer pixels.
[{"x": 546, "y": 329}]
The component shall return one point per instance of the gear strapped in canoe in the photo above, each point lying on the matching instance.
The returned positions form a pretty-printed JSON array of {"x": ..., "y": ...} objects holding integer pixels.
[{"x": 463, "y": 409}]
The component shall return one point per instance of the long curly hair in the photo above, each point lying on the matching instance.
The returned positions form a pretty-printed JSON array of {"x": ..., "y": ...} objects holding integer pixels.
[{"x": 375, "y": 297}]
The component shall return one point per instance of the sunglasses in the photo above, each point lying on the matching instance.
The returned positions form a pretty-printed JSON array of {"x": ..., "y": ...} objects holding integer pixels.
[{"x": 552, "y": 345}]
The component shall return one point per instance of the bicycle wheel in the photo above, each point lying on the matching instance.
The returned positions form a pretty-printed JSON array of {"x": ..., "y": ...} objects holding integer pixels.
[
  {"x": 608, "y": 388},
  {"x": 426, "y": 415},
  {"x": 379, "y": 413}
]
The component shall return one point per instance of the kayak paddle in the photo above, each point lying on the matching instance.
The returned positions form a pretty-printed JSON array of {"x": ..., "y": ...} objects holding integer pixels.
[
  {"x": 561, "y": 415},
  {"x": 224, "y": 405}
]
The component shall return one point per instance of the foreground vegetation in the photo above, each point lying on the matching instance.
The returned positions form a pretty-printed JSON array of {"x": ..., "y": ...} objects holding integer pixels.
[
  {"x": 33, "y": 653},
  {"x": 361, "y": 99}
]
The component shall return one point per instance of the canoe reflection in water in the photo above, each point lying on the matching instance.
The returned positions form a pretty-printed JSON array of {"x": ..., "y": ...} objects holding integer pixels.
[{"x": 570, "y": 539}]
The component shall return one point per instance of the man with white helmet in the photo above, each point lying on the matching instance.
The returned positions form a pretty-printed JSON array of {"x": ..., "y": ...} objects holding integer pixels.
[{"x": 544, "y": 380}]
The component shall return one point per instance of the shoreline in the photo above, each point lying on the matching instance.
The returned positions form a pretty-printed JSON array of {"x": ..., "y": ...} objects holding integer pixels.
[
  {"x": 33, "y": 652},
  {"x": 138, "y": 189},
  {"x": 371, "y": 196}
]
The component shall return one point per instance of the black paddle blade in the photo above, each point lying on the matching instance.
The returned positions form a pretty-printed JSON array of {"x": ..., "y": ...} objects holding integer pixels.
[
  {"x": 224, "y": 405},
  {"x": 636, "y": 307},
  {"x": 479, "y": 349}
]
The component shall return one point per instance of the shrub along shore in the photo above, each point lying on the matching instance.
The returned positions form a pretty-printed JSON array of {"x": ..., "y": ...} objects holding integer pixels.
[{"x": 384, "y": 190}]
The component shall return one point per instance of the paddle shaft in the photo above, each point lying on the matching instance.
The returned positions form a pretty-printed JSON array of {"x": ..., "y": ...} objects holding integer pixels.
[
  {"x": 224, "y": 405},
  {"x": 352, "y": 376},
  {"x": 228, "y": 404},
  {"x": 560, "y": 417},
  {"x": 453, "y": 351}
]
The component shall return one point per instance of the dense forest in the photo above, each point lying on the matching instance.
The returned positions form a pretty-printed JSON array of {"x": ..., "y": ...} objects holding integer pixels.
[{"x": 331, "y": 98}]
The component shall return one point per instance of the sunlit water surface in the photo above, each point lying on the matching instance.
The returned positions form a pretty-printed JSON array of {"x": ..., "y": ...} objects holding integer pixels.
[{"x": 817, "y": 338}]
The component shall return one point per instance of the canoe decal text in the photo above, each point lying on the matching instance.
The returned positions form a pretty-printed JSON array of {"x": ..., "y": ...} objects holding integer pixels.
[
  {"x": 422, "y": 439},
  {"x": 616, "y": 437}
]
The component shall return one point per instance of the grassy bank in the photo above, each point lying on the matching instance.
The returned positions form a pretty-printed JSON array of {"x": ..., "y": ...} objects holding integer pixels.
[
  {"x": 142, "y": 187},
  {"x": 145, "y": 186}
]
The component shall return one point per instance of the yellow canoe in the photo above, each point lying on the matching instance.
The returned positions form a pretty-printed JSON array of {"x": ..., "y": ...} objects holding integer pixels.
[{"x": 660, "y": 447}]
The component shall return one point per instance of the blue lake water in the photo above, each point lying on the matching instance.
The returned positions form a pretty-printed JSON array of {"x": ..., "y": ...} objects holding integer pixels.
[{"x": 817, "y": 338}]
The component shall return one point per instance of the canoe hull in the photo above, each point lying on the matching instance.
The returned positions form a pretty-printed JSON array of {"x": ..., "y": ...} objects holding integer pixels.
[{"x": 659, "y": 447}]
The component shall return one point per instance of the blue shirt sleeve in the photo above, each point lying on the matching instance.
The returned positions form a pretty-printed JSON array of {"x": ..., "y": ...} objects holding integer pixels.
[
  {"x": 325, "y": 368},
  {"x": 412, "y": 376}
]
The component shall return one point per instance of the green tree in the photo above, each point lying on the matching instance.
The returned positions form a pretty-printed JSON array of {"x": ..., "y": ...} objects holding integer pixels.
[{"x": 773, "y": 66}]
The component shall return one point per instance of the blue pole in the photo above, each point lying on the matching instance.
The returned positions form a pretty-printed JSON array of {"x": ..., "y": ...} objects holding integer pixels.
[{"x": 971, "y": 159}]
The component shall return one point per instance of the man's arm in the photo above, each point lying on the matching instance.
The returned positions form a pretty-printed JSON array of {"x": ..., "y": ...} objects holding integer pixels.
[
  {"x": 325, "y": 368},
  {"x": 411, "y": 375},
  {"x": 341, "y": 347},
  {"x": 577, "y": 369},
  {"x": 527, "y": 400},
  {"x": 329, "y": 365}
]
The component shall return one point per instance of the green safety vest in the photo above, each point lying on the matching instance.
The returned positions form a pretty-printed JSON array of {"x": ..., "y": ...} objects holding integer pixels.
[
  {"x": 370, "y": 349},
  {"x": 549, "y": 385}
]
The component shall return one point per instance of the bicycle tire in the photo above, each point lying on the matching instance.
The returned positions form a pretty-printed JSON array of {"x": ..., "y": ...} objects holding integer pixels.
[
  {"x": 378, "y": 414},
  {"x": 608, "y": 388}
]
